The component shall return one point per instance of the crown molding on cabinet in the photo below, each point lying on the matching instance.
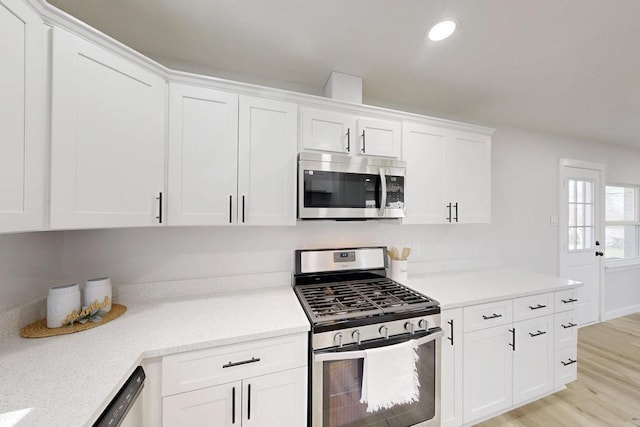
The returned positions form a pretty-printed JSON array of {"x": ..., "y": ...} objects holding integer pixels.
[{"x": 54, "y": 16}]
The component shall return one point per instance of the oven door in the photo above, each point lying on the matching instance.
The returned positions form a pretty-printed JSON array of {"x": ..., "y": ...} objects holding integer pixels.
[{"x": 337, "y": 387}]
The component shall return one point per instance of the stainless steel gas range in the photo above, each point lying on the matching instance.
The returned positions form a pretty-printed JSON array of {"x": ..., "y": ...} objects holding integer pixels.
[{"x": 353, "y": 309}]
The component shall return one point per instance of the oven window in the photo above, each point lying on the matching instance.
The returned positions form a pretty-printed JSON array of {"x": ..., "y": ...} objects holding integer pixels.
[
  {"x": 342, "y": 381},
  {"x": 324, "y": 189}
]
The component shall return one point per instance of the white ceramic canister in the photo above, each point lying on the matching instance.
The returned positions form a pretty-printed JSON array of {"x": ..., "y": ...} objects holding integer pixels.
[
  {"x": 398, "y": 270},
  {"x": 62, "y": 300},
  {"x": 96, "y": 290}
]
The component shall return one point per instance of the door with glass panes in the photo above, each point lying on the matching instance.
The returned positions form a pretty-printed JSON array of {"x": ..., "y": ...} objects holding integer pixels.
[{"x": 581, "y": 243}]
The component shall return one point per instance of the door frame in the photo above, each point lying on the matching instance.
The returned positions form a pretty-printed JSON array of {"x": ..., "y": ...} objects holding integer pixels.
[{"x": 562, "y": 235}]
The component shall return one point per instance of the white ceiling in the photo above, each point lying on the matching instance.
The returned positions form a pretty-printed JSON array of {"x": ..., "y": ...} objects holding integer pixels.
[{"x": 570, "y": 67}]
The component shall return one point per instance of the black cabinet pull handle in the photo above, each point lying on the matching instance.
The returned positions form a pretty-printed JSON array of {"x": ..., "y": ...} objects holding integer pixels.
[
  {"x": 243, "y": 208},
  {"x": 159, "y": 199},
  {"x": 244, "y": 362},
  {"x": 456, "y": 206},
  {"x": 249, "y": 403},
  {"x": 513, "y": 337},
  {"x": 536, "y": 334},
  {"x": 598, "y": 253},
  {"x": 230, "y": 207},
  {"x": 348, "y": 140},
  {"x": 493, "y": 316},
  {"x": 570, "y": 362},
  {"x": 364, "y": 149},
  {"x": 450, "y": 322},
  {"x": 570, "y": 300},
  {"x": 449, "y": 217},
  {"x": 570, "y": 325},
  {"x": 233, "y": 405},
  {"x": 537, "y": 307}
]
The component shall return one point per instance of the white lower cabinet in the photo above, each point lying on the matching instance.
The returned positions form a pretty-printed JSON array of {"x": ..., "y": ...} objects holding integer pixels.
[
  {"x": 451, "y": 369},
  {"x": 533, "y": 358},
  {"x": 270, "y": 400},
  {"x": 261, "y": 383},
  {"x": 488, "y": 372},
  {"x": 508, "y": 363}
]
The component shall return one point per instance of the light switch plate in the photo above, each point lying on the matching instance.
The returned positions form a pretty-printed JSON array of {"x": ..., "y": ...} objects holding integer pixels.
[{"x": 554, "y": 221}]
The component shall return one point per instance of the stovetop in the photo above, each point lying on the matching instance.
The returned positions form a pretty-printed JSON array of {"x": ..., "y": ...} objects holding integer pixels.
[
  {"x": 335, "y": 297},
  {"x": 363, "y": 298}
]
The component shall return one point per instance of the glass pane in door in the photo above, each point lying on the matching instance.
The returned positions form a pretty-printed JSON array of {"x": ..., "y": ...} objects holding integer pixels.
[{"x": 581, "y": 209}]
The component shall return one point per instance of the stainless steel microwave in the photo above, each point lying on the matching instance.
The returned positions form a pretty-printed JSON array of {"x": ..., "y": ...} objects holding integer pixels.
[{"x": 336, "y": 186}]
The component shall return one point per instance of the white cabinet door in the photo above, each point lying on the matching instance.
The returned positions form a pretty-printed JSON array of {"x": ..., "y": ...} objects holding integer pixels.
[
  {"x": 212, "y": 406},
  {"x": 451, "y": 394},
  {"x": 487, "y": 366},
  {"x": 203, "y": 153},
  {"x": 469, "y": 176},
  {"x": 278, "y": 399},
  {"x": 423, "y": 149},
  {"x": 379, "y": 138},
  {"x": 533, "y": 358},
  {"x": 23, "y": 121},
  {"x": 267, "y": 162},
  {"x": 328, "y": 131},
  {"x": 107, "y": 138}
]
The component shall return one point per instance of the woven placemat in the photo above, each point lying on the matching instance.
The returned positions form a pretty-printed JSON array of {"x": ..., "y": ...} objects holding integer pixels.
[{"x": 39, "y": 329}]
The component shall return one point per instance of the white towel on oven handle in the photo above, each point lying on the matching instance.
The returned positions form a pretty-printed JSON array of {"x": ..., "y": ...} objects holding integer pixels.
[{"x": 390, "y": 376}]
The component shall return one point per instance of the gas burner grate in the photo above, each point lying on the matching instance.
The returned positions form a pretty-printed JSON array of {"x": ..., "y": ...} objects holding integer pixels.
[{"x": 359, "y": 298}]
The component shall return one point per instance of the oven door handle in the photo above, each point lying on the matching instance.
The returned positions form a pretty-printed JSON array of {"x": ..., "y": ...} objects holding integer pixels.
[{"x": 358, "y": 354}]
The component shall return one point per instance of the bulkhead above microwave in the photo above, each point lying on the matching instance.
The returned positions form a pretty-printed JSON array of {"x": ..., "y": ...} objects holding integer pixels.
[{"x": 336, "y": 186}]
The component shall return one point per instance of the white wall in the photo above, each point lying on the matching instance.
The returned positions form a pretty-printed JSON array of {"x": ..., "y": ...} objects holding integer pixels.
[{"x": 30, "y": 263}]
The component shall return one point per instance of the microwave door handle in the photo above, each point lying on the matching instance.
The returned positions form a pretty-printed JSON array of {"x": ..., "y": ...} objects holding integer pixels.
[
  {"x": 359, "y": 354},
  {"x": 383, "y": 187}
]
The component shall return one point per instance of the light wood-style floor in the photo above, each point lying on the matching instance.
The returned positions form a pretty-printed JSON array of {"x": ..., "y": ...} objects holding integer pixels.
[{"x": 607, "y": 392}]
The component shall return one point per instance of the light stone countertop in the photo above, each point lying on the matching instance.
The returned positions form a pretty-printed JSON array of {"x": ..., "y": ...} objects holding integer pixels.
[
  {"x": 68, "y": 380},
  {"x": 453, "y": 290}
]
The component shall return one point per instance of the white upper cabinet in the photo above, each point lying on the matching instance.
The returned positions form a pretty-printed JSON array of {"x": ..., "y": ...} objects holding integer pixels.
[
  {"x": 23, "y": 118},
  {"x": 107, "y": 138},
  {"x": 448, "y": 175},
  {"x": 379, "y": 138},
  {"x": 423, "y": 149},
  {"x": 203, "y": 154},
  {"x": 232, "y": 159},
  {"x": 468, "y": 161},
  {"x": 330, "y": 131},
  {"x": 267, "y": 162}
]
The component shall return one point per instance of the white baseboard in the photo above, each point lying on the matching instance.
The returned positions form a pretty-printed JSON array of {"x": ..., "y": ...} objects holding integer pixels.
[{"x": 619, "y": 312}]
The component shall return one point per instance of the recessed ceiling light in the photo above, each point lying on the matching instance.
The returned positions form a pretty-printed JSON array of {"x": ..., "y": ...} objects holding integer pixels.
[{"x": 442, "y": 29}]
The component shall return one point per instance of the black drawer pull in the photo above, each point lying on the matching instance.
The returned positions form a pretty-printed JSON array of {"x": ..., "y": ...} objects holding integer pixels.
[
  {"x": 570, "y": 300},
  {"x": 539, "y": 306},
  {"x": 570, "y": 362},
  {"x": 493, "y": 316},
  {"x": 244, "y": 362},
  {"x": 570, "y": 325},
  {"x": 535, "y": 334}
]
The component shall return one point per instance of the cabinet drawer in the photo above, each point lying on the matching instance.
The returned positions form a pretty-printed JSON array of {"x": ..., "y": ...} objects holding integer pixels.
[
  {"x": 565, "y": 300},
  {"x": 532, "y": 306},
  {"x": 487, "y": 315},
  {"x": 204, "y": 368},
  {"x": 566, "y": 329},
  {"x": 566, "y": 366}
]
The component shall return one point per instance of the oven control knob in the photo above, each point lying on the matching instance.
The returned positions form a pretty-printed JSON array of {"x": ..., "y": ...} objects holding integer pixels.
[
  {"x": 384, "y": 331},
  {"x": 423, "y": 324},
  {"x": 356, "y": 336},
  {"x": 409, "y": 326},
  {"x": 337, "y": 339}
]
